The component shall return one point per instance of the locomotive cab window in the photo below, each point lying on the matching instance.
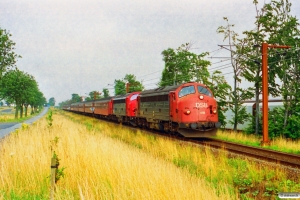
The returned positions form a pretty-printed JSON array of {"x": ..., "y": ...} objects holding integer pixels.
[
  {"x": 203, "y": 90},
  {"x": 186, "y": 91}
]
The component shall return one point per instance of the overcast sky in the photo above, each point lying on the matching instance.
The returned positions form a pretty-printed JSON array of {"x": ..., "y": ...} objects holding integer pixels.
[{"x": 73, "y": 46}]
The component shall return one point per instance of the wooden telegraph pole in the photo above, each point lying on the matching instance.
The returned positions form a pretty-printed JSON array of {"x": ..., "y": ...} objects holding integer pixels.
[
  {"x": 265, "y": 92},
  {"x": 127, "y": 87}
]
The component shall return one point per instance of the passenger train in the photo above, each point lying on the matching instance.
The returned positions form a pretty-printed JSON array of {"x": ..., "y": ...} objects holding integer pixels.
[{"x": 187, "y": 109}]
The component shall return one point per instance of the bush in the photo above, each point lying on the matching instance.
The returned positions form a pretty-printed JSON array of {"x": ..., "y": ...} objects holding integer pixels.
[{"x": 276, "y": 124}]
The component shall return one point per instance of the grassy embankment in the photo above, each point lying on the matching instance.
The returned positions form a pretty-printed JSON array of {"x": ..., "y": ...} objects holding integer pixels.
[
  {"x": 103, "y": 161},
  {"x": 278, "y": 144}
]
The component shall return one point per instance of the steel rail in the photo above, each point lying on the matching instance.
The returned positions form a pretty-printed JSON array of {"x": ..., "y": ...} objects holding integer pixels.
[{"x": 287, "y": 159}]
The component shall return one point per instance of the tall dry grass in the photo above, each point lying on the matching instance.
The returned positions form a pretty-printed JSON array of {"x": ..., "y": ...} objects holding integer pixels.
[
  {"x": 4, "y": 116},
  {"x": 98, "y": 165},
  {"x": 240, "y": 177}
]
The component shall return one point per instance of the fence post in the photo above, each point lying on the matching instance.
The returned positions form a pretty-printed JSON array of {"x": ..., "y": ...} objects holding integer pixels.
[{"x": 53, "y": 174}]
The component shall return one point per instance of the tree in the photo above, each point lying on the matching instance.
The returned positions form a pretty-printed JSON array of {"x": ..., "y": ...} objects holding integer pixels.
[
  {"x": 105, "y": 92},
  {"x": 221, "y": 90},
  {"x": 238, "y": 95},
  {"x": 285, "y": 31},
  {"x": 274, "y": 25},
  {"x": 75, "y": 98},
  {"x": 51, "y": 101},
  {"x": 29, "y": 95},
  {"x": 187, "y": 66},
  {"x": 67, "y": 102},
  {"x": 8, "y": 57},
  {"x": 287, "y": 62},
  {"x": 131, "y": 82},
  {"x": 18, "y": 87},
  {"x": 37, "y": 100},
  {"x": 119, "y": 87},
  {"x": 182, "y": 66},
  {"x": 94, "y": 95}
]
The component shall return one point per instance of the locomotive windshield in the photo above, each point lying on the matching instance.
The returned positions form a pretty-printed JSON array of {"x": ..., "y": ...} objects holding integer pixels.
[
  {"x": 203, "y": 90},
  {"x": 186, "y": 90}
]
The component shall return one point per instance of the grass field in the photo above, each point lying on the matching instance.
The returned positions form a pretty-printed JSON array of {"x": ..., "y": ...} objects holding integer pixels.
[{"x": 99, "y": 160}]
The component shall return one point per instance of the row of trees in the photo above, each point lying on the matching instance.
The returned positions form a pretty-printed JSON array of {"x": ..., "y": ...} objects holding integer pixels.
[
  {"x": 16, "y": 86},
  {"x": 121, "y": 87}
]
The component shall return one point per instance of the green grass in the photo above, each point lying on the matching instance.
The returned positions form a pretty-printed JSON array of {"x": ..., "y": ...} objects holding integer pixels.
[
  {"x": 256, "y": 144},
  {"x": 282, "y": 149},
  {"x": 286, "y": 149}
]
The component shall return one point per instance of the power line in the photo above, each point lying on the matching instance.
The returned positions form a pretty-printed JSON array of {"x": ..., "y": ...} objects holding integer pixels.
[
  {"x": 215, "y": 50},
  {"x": 149, "y": 74},
  {"x": 221, "y": 61},
  {"x": 220, "y": 66}
]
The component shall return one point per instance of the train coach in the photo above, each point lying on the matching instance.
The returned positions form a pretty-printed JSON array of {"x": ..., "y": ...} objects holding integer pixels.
[
  {"x": 188, "y": 109},
  {"x": 103, "y": 107},
  {"x": 125, "y": 108}
]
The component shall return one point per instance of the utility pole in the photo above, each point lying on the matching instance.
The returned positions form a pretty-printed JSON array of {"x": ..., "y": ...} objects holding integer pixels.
[
  {"x": 127, "y": 87},
  {"x": 265, "y": 92}
]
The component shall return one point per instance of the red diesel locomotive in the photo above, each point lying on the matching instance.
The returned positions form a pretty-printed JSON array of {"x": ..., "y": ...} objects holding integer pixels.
[{"x": 188, "y": 109}]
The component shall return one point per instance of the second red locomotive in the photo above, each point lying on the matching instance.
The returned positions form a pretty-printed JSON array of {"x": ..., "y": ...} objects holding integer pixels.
[{"x": 188, "y": 109}]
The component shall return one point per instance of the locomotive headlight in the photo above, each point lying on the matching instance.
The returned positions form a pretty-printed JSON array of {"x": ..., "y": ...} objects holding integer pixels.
[
  {"x": 187, "y": 112},
  {"x": 214, "y": 111},
  {"x": 201, "y": 97}
]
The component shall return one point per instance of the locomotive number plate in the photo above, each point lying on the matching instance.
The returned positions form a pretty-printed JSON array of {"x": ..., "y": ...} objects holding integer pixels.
[{"x": 201, "y": 105}]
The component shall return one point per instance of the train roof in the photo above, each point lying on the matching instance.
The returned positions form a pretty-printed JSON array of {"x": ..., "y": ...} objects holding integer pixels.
[
  {"x": 123, "y": 96},
  {"x": 88, "y": 101},
  {"x": 160, "y": 90},
  {"x": 166, "y": 89},
  {"x": 103, "y": 99},
  {"x": 76, "y": 103}
]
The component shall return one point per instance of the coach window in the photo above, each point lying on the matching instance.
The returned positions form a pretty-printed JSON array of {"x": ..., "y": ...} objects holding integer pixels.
[
  {"x": 203, "y": 90},
  {"x": 186, "y": 90}
]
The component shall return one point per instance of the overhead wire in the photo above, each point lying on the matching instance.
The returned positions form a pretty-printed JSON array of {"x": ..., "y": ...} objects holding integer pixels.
[{"x": 225, "y": 66}]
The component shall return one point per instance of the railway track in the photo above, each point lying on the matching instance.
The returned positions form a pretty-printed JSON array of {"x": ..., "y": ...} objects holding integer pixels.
[
  {"x": 271, "y": 156},
  {"x": 290, "y": 160}
]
